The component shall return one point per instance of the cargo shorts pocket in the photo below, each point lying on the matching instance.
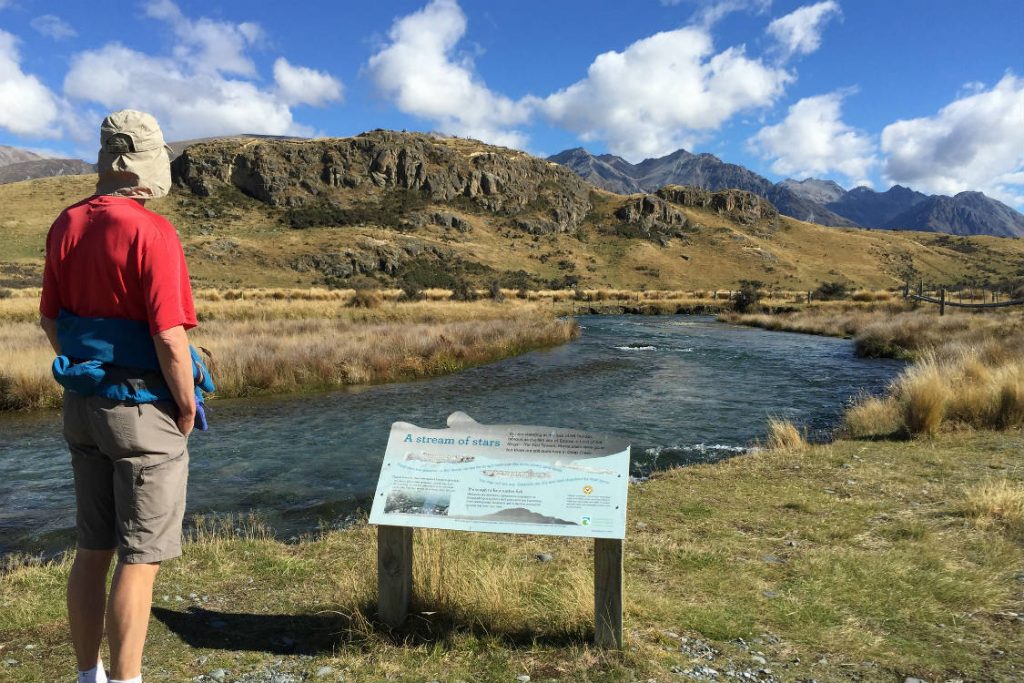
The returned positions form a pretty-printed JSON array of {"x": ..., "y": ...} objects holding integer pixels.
[{"x": 159, "y": 489}]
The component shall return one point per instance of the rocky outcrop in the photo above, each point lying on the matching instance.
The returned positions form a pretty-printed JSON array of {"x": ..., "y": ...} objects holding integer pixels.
[
  {"x": 739, "y": 205},
  {"x": 444, "y": 219},
  {"x": 446, "y": 170},
  {"x": 651, "y": 212},
  {"x": 370, "y": 257},
  {"x": 650, "y": 217}
]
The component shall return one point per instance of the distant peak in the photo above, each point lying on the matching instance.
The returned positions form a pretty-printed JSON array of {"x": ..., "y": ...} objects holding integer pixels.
[{"x": 572, "y": 153}]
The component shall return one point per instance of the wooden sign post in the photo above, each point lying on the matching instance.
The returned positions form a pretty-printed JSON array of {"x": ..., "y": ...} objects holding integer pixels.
[
  {"x": 608, "y": 593},
  {"x": 394, "y": 574},
  {"x": 394, "y": 583}
]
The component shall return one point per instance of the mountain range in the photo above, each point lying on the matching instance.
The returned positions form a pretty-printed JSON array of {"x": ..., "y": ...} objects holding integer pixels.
[
  {"x": 818, "y": 201},
  {"x": 18, "y": 164}
]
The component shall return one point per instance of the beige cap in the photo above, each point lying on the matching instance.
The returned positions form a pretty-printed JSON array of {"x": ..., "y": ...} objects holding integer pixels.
[{"x": 133, "y": 159}]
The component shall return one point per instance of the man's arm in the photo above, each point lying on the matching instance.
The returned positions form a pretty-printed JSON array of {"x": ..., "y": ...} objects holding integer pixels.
[
  {"x": 49, "y": 326},
  {"x": 176, "y": 364}
]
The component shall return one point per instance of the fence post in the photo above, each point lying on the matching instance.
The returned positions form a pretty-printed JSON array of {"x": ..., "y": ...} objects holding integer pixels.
[
  {"x": 608, "y": 593},
  {"x": 942, "y": 301},
  {"x": 394, "y": 573}
]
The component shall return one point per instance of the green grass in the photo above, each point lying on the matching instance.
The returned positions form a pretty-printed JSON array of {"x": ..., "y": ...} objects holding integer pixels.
[{"x": 850, "y": 561}]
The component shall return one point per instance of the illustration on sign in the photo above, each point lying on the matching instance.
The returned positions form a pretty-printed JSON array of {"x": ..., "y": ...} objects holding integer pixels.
[{"x": 503, "y": 478}]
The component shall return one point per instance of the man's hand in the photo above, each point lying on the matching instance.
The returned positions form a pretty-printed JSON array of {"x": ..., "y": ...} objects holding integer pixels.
[
  {"x": 186, "y": 423},
  {"x": 176, "y": 364}
]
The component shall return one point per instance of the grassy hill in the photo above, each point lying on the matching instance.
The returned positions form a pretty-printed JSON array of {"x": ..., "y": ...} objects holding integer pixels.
[{"x": 332, "y": 212}]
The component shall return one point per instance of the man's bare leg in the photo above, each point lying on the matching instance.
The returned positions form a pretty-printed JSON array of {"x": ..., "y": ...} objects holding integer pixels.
[
  {"x": 131, "y": 596},
  {"x": 87, "y": 601}
]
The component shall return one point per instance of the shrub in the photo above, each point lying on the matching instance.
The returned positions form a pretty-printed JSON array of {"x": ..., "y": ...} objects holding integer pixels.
[
  {"x": 831, "y": 291},
  {"x": 494, "y": 290},
  {"x": 463, "y": 291},
  {"x": 365, "y": 298},
  {"x": 748, "y": 296},
  {"x": 6, "y": 293},
  {"x": 411, "y": 291}
]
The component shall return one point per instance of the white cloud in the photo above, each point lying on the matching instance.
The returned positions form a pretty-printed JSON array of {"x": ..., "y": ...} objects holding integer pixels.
[
  {"x": 206, "y": 44},
  {"x": 29, "y": 107},
  {"x": 54, "y": 27},
  {"x": 188, "y": 104},
  {"x": 208, "y": 86},
  {"x": 420, "y": 71},
  {"x": 814, "y": 140},
  {"x": 302, "y": 85},
  {"x": 974, "y": 143},
  {"x": 799, "y": 32},
  {"x": 663, "y": 91},
  {"x": 710, "y": 12}
]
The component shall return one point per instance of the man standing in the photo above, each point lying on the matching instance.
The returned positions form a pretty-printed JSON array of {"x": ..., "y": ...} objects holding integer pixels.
[{"x": 116, "y": 305}]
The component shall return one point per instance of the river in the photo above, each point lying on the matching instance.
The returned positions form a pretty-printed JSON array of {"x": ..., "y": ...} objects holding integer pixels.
[{"x": 682, "y": 389}]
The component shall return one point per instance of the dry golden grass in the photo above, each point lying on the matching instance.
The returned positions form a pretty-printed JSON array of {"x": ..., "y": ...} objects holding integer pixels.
[
  {"x": 869, "y": 295},
  {"x": 783, "y": 435},
  {"x": 999, "y": 502},
  {"x": 924, "y": 392},
  {"x": 253, "y": 357},
  {"x": 968, "y": 371},
  {"x": 870, "y": 417},
  {"x": 280, "y": 341}
]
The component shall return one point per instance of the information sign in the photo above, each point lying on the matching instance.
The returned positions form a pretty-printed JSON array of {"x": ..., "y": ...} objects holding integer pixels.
[{"x": 503, "y": 478}]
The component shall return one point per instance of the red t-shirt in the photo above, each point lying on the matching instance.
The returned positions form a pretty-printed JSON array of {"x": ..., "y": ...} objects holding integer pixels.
[{"x": 110, "y": 257}]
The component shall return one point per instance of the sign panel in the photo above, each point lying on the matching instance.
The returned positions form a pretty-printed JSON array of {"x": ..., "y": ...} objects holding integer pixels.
[{"x": 503, "y": 478}]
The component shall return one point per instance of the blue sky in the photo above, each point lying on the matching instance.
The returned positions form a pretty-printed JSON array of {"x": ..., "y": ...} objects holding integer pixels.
[{"x": 927, "y": 94}]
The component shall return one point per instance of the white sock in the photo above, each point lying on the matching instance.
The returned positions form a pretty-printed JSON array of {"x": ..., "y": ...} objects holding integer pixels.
[
  {"x": 93, "y": 675},
  {"x": 137, "y": 679}
]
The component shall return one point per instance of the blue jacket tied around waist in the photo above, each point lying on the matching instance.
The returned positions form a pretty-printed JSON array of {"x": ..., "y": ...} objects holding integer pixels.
[{"x": 103, "y": 349}]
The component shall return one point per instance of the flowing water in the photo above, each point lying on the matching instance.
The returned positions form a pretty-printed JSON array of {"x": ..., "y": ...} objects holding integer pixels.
[{"x": 681, "y": 389}]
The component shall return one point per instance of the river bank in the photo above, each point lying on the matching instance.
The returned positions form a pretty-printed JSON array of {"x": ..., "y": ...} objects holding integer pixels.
[
  {"x": 967, "y": 371},
  {"x": 272, "y": 342},
  {"x": 849, "y": 561}
]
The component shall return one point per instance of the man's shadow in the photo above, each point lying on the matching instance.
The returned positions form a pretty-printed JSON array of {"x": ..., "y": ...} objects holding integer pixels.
[{"x": 328, "y": 631}]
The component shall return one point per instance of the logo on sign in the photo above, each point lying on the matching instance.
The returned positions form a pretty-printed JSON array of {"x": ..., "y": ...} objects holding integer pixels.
[
  {"x": 585, "y": 520},
  {"x": 588, "y": 489}
]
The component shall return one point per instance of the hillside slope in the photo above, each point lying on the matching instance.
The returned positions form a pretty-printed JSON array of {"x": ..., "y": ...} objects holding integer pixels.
[{"x": 392, "y": 207}]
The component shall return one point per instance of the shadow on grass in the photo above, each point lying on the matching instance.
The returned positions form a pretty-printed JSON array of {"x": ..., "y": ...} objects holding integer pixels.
[{"x": 327, "y": 631}]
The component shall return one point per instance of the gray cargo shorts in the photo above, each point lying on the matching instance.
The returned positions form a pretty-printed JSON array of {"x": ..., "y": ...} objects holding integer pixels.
[{"x": 131, "y": 470}]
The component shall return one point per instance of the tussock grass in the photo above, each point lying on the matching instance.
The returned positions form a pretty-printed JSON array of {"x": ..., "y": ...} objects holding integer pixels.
[
  {"x": 783, "y": 435},
  {"x": 264, "y": 344},
  {"x": 998, "y": 502},
  {"x": 968, "y": 370},
  {"x": 253, "y": 358},
  {"x": 925, "y": 395},
  {"x": 872, "y": 417}
]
